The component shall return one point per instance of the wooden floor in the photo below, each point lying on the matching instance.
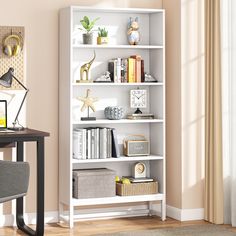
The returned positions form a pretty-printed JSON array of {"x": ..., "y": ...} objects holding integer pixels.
[{"x": 86, "y": 228}]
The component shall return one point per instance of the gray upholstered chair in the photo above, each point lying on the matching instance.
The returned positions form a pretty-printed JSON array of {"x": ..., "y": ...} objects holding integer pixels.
[{"x": 14, "y": 180}]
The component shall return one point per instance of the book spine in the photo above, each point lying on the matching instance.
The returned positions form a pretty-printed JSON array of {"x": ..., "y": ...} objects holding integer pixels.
[
  {"x": 131, "y": 70},
  {"x": 115, "y": 71},
  {"x": 138, "y": 71},
  {"x": 103, "y": 143},
  {"x": 118, "y": 69},
  {"x": 111, "y": 69},
  {"x": 97, "y": 143},
  {"x": 88, "y": 144},
  {"x": 84, "y": 144},
  {"x": 92, "y": 143},
  {"x": 142, "y": 71},
  {"x": 115, "y": 147},
  {"x": 138, "y": 59},
  {"x": 77, "y": 144},
  {"x": 124, "y": 70},
  {"x": 109, "y": 143}
]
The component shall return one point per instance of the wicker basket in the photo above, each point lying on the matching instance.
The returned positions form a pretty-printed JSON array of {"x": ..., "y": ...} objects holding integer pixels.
[{"x": 136, "y": 189}]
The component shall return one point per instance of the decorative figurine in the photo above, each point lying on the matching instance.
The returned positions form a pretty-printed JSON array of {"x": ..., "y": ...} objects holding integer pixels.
[
  {"x": 84, "y": 70},
  {"x": 133, "y": 33},
  {"x": 105, "y": 77},
  {"x": 88, "y": 103}
]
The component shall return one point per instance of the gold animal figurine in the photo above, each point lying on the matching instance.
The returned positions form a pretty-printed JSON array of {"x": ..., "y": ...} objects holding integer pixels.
[{"x": 84, "y": 70}]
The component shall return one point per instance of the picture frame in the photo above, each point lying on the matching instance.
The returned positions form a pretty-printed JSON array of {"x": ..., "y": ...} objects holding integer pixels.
[{"x": 3, "y": 114}]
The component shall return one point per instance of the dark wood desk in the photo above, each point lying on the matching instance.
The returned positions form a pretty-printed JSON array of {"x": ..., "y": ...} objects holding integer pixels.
[{"x": 19, "y": 137}]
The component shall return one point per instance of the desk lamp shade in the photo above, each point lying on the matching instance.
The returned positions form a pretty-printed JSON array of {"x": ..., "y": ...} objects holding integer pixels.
[{"x": 6, "y": 81}]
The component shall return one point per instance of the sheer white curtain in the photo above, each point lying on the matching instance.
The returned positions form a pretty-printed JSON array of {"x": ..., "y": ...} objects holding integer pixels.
[{"x": 228, "y": 15}]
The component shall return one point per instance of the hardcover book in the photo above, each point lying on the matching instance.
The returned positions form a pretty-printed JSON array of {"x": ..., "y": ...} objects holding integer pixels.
[{"x": 131, "y": 70}]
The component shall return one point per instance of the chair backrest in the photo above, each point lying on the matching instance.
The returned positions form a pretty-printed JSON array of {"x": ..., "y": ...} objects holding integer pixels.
[{"x": 14, "y": 180}]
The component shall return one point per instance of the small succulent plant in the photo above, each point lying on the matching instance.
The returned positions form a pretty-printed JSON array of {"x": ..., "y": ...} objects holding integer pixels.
[{"x": 102, "y": 32}]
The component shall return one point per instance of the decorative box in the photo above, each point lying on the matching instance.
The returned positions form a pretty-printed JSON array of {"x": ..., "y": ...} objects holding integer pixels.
[
  {"x": 136, "y": 189},
  {"x": 94, "y": 183}
]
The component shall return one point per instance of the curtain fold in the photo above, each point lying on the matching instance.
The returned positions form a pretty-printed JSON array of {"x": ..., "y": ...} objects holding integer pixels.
[
  {"x": 213, "y": 120},
  {"x": 228, "y": 16}
]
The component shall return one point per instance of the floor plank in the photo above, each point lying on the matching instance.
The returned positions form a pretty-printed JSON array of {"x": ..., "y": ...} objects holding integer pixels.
[{"x": 90, "y": 228}]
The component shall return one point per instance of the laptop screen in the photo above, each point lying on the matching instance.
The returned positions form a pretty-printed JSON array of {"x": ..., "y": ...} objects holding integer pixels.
[{"x": 3, "y": 114}]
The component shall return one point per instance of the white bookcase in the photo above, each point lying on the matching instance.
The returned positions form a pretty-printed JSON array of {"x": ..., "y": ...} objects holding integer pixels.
[{"x": 73, "y": 54}]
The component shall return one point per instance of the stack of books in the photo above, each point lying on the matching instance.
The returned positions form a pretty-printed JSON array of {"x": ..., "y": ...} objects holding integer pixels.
[
  {"x": 142, "y": 116},
  {"x": 127, "y": 70},
  {"x": 95, "y": 143}
]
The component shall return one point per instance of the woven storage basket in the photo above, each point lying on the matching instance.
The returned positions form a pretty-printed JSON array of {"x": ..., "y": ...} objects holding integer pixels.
[{"x": 136, "y": 189}]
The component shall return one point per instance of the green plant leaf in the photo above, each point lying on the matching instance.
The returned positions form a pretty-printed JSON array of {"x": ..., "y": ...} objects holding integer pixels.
[
  {"x": 91, "y": 25},
  {"x": 94, "y": 21},
  {"x": 86, "y": 19},
  {"x": 84, "y": 25}
]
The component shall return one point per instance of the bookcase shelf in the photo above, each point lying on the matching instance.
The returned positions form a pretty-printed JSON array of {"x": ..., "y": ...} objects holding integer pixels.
[
  {"x": 118, "y": 84},
  {"x": 73, "y": 54},
  {"x": 133, "y": 47},
  {"x": 117, "y": 199},
  {"x": 120, "y": 159},
  {"x": 122, "y": 121}
]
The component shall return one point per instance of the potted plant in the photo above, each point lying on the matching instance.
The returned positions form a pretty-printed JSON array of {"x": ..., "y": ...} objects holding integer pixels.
[
  {"x": 102, "y": 36},
  {"x": 88, "y": 28}
]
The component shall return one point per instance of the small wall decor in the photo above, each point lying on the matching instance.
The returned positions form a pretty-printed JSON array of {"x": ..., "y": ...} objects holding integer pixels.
[
  {"x": 114, "y": 113},
  {"x": 133, "y": 33},
  {"x": 10, "y": 43},
  {"x": 84, "y": 70},
  {"x": 88, "y": 103},
  {"x": 88, "y": 28}
]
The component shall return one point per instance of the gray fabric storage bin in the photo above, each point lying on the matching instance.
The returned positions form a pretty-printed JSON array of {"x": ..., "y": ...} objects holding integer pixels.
[{"x": 94, "y": 183}]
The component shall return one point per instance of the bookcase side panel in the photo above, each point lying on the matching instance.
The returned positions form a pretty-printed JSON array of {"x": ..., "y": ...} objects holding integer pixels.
[{"x": 65, "y": 164}]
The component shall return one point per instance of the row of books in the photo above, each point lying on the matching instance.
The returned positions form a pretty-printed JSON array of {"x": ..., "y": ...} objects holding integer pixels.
[
  {"x": 95, "y": 143},
  {"x": 127, "y": 70}
]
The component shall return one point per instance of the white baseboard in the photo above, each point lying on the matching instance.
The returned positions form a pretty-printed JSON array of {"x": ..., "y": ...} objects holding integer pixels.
[
  {"x": 52, "y": 216},
  {"x": 30, "y": 218},
  {"x": 185, "y": 214}
]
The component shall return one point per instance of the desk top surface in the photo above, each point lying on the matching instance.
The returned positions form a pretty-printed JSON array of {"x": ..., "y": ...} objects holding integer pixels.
[{"x": 24, "y": 133}]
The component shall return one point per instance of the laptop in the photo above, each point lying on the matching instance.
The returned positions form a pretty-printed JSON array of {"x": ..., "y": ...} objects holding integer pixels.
[{"x": 3, "y": 116}]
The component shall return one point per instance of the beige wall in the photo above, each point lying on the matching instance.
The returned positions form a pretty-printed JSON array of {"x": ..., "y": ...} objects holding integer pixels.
[
  {"x": 192, "y": 102},
  {"x": 184, "y": 71},
  {"x": 173, "y": 101}
]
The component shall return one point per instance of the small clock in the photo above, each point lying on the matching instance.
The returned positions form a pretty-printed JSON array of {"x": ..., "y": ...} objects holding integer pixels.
[
  {"x": 138, "y": 99},
  {"x": 139, "y": 170}
]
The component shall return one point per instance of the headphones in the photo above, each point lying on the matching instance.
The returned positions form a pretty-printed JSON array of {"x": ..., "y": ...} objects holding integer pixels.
[{"x": 14, "y": 50}]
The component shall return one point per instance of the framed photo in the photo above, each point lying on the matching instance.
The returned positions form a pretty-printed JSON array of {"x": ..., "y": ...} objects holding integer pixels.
[{"x": 3, "y": 114}]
